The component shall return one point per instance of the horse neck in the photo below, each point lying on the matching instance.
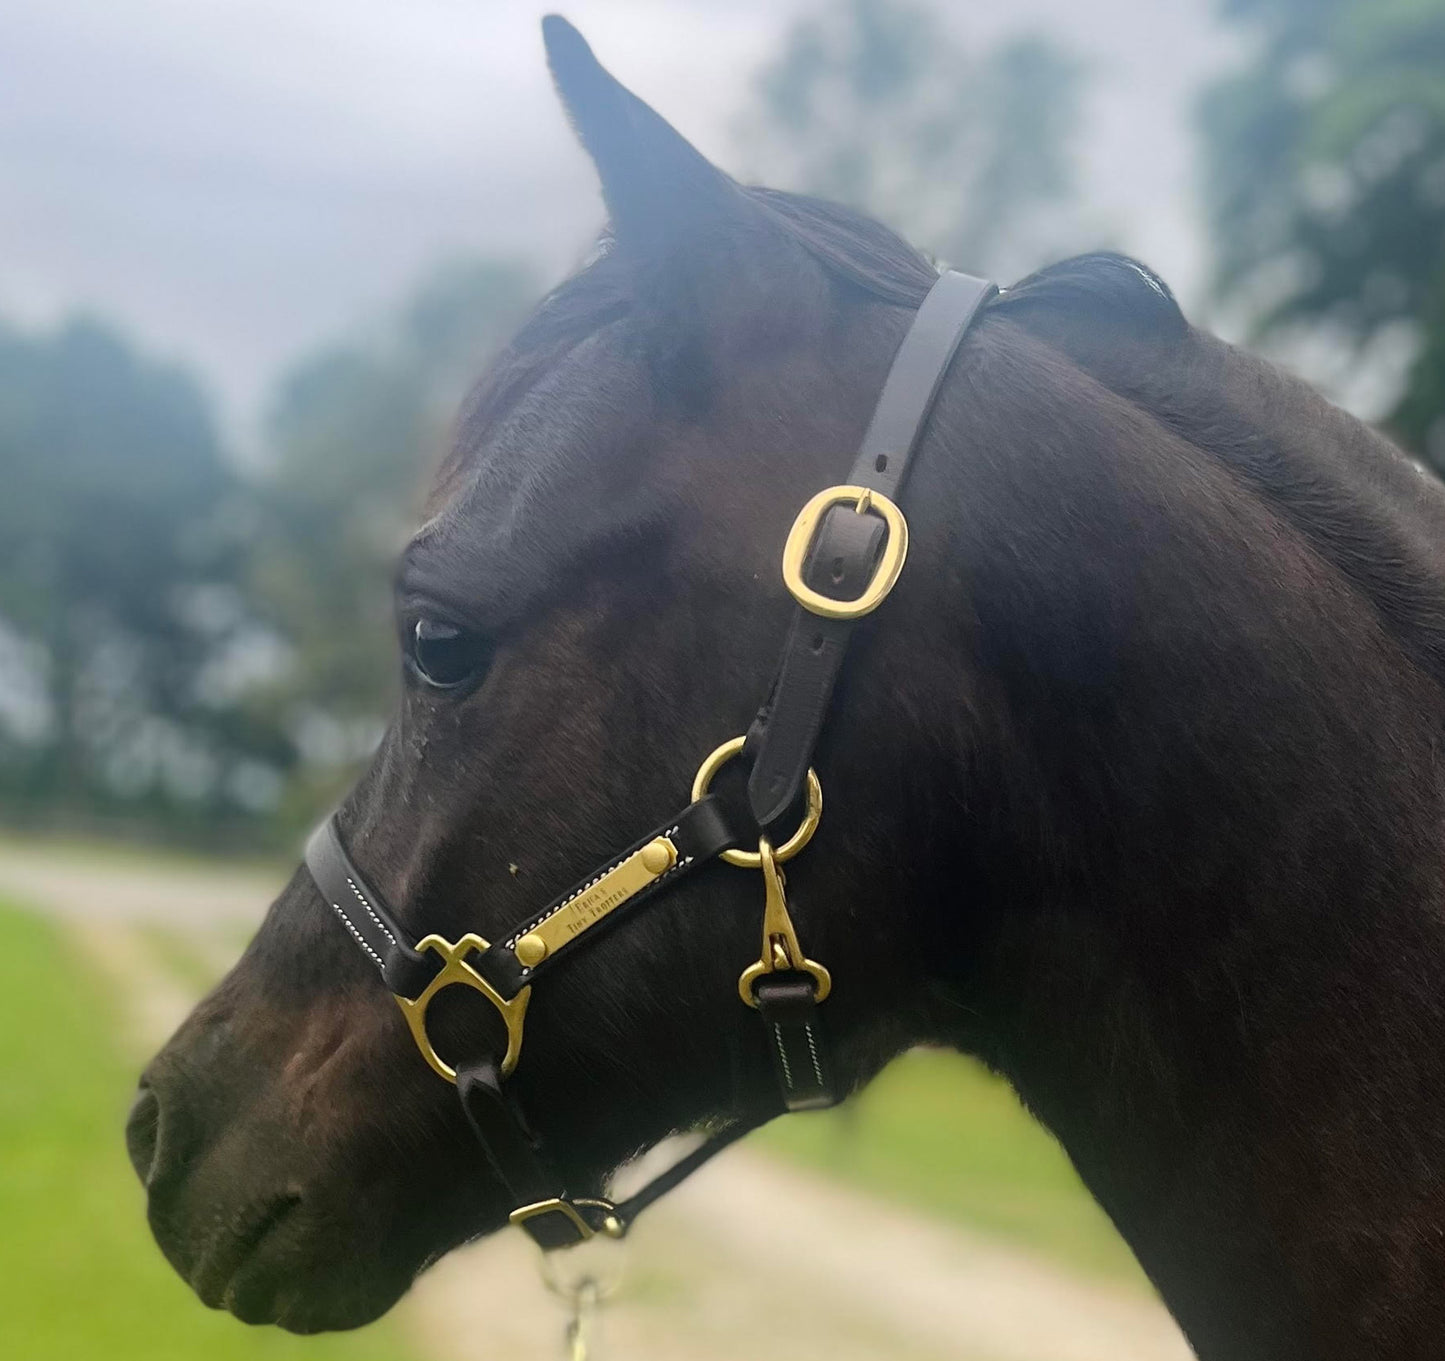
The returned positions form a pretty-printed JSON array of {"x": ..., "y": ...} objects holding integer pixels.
[{"x": 1201, "y": 925}]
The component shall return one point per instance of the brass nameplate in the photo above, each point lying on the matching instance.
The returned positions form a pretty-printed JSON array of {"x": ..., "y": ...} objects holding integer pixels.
[{"x": 598, "y": 900}]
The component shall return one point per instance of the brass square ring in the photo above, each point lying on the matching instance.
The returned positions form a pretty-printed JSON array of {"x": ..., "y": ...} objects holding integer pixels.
[{"x": 456, "y": 970}]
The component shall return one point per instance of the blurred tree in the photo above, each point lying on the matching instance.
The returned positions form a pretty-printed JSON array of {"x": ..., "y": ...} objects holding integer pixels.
[
  {"x": 1326, "y": 183},
  {"x": 117, "y": 581},
  {"x": 352, "y": 433},
  {"x": 874, "y": 103},
  {"x": 195, "y": 649}
]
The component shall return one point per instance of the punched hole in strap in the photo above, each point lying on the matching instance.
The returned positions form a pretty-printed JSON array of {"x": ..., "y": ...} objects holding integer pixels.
[{"x": 803, "y": 548}]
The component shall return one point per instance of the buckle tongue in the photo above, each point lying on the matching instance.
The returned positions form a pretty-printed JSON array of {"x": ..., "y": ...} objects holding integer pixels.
[{"x": 800, "y": 540}]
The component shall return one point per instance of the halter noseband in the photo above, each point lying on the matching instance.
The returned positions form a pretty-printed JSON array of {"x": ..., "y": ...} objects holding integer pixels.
[{"x": 842, "y": 557}]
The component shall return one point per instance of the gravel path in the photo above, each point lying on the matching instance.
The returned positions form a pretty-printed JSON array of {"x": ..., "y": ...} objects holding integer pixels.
[{"x": 750, "y": 1258}]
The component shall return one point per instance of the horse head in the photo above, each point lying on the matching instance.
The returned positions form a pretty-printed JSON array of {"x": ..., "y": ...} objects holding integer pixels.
[
  {"x": 1131, "y": 783},
  {"x": 591, "y": 605}
]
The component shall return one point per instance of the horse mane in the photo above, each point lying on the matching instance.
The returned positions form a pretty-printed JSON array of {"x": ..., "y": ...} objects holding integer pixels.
[
  {"x": 1351, "y": 494},
  {"x": 850, "y": 246},
  {"x": 1370, "y": 513}
]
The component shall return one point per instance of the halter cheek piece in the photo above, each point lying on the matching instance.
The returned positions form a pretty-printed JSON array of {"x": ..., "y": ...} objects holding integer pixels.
[{"x": 842, "y": 557}]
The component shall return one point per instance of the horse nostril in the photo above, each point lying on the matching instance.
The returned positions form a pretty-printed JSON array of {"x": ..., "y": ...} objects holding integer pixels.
[{"x": 142, "y": 1129}]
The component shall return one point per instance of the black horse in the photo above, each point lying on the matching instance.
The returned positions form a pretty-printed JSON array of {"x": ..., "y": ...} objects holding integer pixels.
[{"x": 1134, "y": 783}]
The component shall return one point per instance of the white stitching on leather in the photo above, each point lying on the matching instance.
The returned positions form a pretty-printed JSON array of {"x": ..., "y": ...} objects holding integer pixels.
[
  {"x": 360, "y": 939},
  {"x": 813, "y": 1050},
  {"x": 511, "y": 942},
  {"x": 361, "y": 898},
  {"x": 783, "y": 1055}
]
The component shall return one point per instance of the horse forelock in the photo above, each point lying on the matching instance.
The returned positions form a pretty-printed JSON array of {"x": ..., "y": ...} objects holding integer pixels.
[{"x": 854, "y": 249}]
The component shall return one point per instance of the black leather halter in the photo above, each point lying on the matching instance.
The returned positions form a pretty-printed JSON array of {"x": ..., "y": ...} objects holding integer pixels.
[{"x": 842, "y": 558}]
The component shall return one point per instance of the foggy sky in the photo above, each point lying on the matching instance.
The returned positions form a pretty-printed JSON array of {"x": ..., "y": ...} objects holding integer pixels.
[{"x": 235, "y": 181}]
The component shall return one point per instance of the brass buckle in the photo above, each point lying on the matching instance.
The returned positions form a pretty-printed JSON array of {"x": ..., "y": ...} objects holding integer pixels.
[
  {"x": 812, "y": 813},
  {"x": 781, "y": 951},
  {"x": 885, "y": 575},
  {"x": 455, "y": 969},
  {"x": 612, "y": 1226}
]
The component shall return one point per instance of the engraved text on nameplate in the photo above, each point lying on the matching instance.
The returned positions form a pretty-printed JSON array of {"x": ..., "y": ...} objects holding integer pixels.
[{"x": 609, "y": 893}]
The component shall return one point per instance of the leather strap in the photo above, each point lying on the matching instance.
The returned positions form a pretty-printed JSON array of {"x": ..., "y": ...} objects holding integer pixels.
[
  {"x": 699, "y": 832},
  {"x": 660, "y": 1185},
  {"x": 366, "y": 915},
  {"x": 787, "y": 1003},
  {"x": 785, "y": 732},
  {"x": 532, "y": 1182},
  {"x": 845, "y": 552},
  {"x": 504, "y": 1136}
]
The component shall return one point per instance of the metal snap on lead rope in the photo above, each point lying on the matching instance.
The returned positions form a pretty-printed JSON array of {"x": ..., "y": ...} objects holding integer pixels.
[{"x": 583, "y": 1278}]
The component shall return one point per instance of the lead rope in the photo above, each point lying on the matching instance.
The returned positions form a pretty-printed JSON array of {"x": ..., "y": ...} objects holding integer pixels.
[
  {"x": 582, "y": 1301},
  {"x": 580, "y": 1281}
]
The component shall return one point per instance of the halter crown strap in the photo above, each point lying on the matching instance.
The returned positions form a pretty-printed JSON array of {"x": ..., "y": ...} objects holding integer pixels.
[
  {"x": 846, "y": 556},
  {"x": 846, "y": 548}
]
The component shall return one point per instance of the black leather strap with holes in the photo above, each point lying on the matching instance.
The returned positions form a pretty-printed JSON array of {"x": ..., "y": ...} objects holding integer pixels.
[
  {"x": 504, "y": 1135},
  {"x": 785, "y": 732},
  {"x": 846, "y": 548}
]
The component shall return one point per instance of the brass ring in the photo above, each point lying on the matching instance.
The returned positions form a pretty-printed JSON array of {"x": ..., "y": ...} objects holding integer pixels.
[{"x": 812, "y": 813}]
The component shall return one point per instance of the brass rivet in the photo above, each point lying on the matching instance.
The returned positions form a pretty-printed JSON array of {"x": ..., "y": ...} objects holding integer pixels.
[
  {"x": 659, "y": 856},
  {"x": 531, "y": 950}
]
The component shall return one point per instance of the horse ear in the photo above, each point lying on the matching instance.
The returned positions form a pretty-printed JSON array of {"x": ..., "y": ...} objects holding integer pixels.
[{"x": 661, "y": 193}]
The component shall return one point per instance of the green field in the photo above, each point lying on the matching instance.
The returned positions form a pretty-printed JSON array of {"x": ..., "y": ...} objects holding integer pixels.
[
  {"x": 80, "y": 1277},
  {"x": 938, "y": 1132}
]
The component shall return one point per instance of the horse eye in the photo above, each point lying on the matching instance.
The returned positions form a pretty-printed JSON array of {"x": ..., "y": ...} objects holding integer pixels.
[{"x": 446, "y": 656}]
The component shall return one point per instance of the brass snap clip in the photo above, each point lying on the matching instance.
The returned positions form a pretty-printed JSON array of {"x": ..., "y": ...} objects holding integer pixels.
[{"x": 781, "y": 952}]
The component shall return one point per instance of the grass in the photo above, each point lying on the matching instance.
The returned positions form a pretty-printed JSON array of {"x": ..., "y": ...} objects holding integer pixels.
[
  {"x": 80, "y": 1277},
  {"x": 159, "y": 857},
  {"x": 178, "y": 954},
  {"x": 938, "y": 1132}
]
